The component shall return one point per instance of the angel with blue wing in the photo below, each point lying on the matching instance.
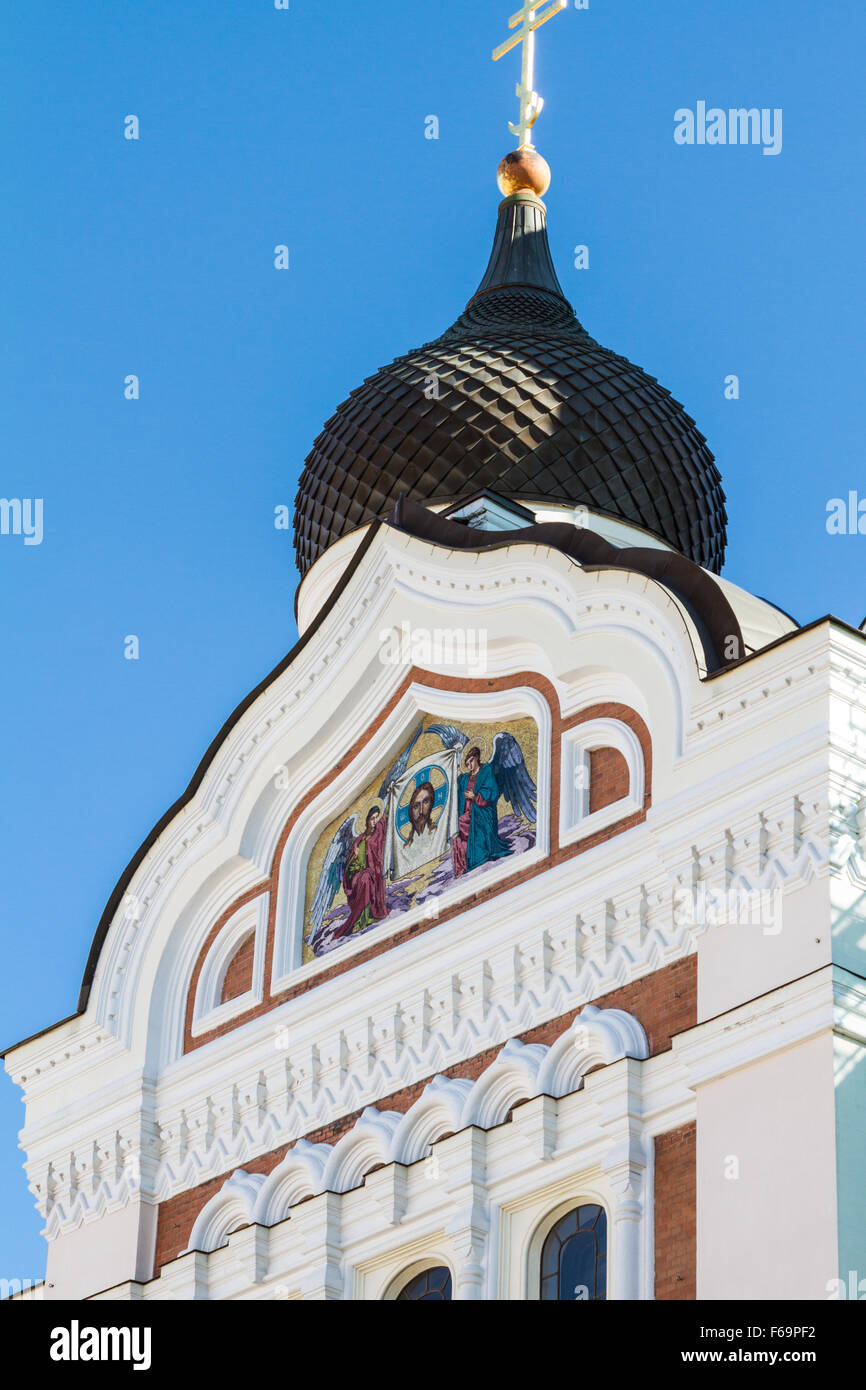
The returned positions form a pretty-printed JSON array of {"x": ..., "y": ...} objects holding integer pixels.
[
  {"x": 331, "y": 876},
  {"x": 355, "y": 863},
  {"x": 512, "y": 776},
  {"x": 479, "y": 789},
  {"x": 392, "y": 777},
  {"x": 449, "y": 735}
]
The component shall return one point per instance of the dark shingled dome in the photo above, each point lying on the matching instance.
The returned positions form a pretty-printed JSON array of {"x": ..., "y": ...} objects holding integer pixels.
[{"x": 519, "y": 399}]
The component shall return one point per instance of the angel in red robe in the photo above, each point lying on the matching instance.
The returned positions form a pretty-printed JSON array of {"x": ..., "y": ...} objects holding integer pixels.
[
  {"x": 364, "y": 877},
  {"x": 357, "y": 864}
]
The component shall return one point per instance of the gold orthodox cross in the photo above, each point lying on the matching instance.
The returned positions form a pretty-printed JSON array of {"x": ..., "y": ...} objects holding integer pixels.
[{"x": 530, "y": 18}]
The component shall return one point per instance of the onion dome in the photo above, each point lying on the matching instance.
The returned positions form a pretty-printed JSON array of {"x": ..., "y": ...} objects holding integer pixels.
[{"x": 517, "y": 398}]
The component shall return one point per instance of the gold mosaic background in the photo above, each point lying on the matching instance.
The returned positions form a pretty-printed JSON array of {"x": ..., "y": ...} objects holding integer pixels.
[{"x": 428, "y": 746}]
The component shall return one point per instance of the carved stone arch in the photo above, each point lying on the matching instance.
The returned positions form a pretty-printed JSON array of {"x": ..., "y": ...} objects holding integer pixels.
[
  {"x": 436, "y": 1112},
  {"x": 586, "y": 1193},
  {"x": 365, "y": 1147},
  {"x": 597, "y": 1037},
  {"x": 208, "y": 1008},
  {"x": 626, "y": 737},
  {"x": 300, "y": 1175},
  {"x": 511, "y": 1077},
  {"x": 433, "y": 1259},
  {"x": 227, "y": 1211},
  {"x": 174, "y": 955}
]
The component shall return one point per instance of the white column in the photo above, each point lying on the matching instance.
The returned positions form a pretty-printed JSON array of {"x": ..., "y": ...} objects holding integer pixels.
[
  {"x": 627, "y": 1165},
  {"x": 319, "y": 1220},
  {"x": 462, "y": 1160}
]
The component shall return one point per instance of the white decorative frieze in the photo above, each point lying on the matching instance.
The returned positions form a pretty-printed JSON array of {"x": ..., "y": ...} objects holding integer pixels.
[
  {"x": 382, "y": 1144},
  {"x": 293, "y": 1087}
]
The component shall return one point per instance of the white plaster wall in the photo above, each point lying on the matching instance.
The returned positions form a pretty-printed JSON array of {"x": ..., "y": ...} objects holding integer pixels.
[
  {"x": 771, "y": 1232},
  {"x": 739, "y": 960},
  {"x": 100, "y": 1254}
]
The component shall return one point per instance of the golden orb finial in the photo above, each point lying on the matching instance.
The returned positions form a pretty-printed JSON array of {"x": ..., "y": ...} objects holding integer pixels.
[{"x": 523, "y": 169}]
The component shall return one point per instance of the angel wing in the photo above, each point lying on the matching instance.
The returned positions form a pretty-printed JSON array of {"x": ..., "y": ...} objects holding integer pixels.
[
  {"x": 512, "y": 776},
  {"x": 401, "y": 764},
  {"x": 331, "y": 876},
  {"x": 449, "y": 734}
]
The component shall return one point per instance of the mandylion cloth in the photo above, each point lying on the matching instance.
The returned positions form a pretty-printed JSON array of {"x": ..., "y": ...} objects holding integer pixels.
[{"x": 422, "y": 814}]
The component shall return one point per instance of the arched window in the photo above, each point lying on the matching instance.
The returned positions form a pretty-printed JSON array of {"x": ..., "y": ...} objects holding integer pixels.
[
  {"x": 574, "y": 1257},
  {"x": 604, "y": 777},
  {"x": 430, "y": 1286}
]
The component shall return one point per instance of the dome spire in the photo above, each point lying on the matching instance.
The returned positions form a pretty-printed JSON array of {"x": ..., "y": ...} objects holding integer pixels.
[
  {"x": 521, "y": 252},
  {"x": 516, "y": 399}
]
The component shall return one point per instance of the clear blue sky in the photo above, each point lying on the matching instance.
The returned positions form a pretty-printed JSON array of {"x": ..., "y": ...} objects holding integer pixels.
[{"x": 155, "y": 257}]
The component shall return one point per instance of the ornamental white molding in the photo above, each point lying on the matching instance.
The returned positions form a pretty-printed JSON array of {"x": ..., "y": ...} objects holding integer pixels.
[
  {"x": 778, "y": 1021},
  {"x": 299, "y": 1176},
  {"x": 438, "y": 1110},
  {"x": 231, "y": 1208},
  {"x": 597, "y": 1037},
  {"x": 740, "y": 789},
  {"x": 511, "y": 1078},
  {"x": 365, "y": 1146},
  {"x": 257, "y": 737},
  {"x": 768, "y": 687},
  {"x": 478, "y": 1204},
  {"x": 317, "y": 585},
  {"x": 468, "y": 985},
  {"x": 788, "y": 1016},
  {"x": 287, "y": 718},
  {"x": 708, "y": 799},
  {"x": 309, "y": 707}
]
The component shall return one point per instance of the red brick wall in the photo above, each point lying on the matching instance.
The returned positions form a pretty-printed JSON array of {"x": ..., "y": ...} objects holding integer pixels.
[
  {"x": 664, "y": 1003},
  {"x": 608, "y": 778},
  {"x": 239, "y": 976},
  {"x": 558, "y": 854},
  {"x": 676, "y": 1213}
]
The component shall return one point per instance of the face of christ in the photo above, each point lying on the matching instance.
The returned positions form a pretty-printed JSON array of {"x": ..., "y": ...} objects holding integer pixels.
[{"x": 421, "y": 809}]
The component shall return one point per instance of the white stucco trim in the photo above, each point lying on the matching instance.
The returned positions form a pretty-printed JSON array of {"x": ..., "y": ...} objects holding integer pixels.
[{"x": 576, "y": 1135}]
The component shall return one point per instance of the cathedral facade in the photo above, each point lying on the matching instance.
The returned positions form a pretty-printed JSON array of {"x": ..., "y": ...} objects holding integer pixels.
[{"x": 508, "y": 942}]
